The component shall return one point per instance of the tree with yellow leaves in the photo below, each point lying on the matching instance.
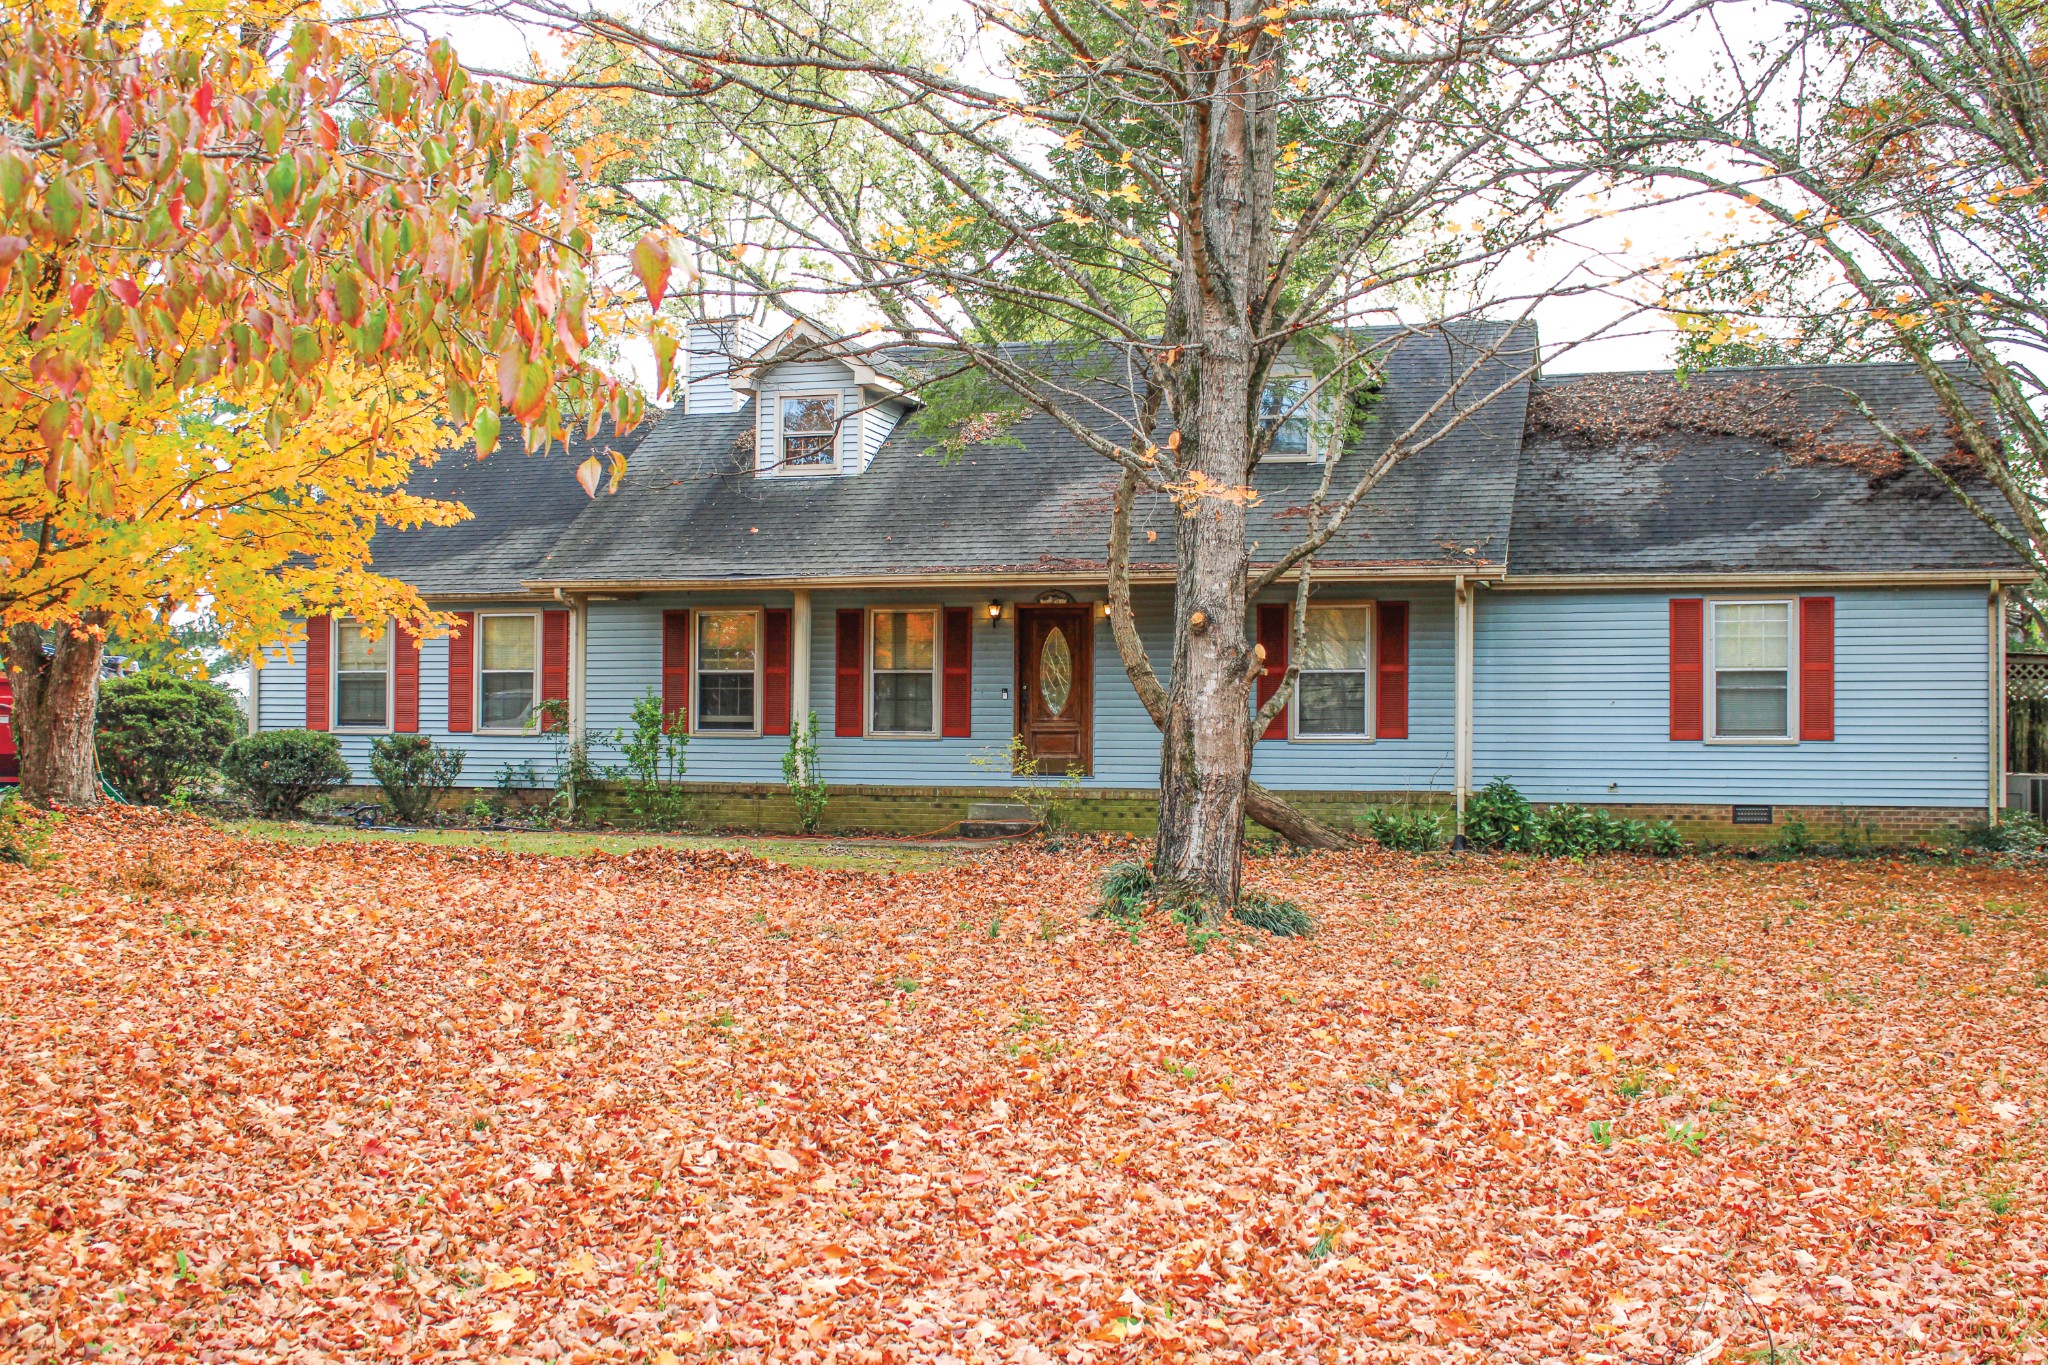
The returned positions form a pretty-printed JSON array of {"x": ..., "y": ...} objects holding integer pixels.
[{"x": 245, "y": 284}]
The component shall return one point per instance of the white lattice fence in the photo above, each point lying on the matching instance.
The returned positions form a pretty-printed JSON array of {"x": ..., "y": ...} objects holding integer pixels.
[
  {"x": 2026, "y": 677},
  {"x": 2026, "y": 731}
]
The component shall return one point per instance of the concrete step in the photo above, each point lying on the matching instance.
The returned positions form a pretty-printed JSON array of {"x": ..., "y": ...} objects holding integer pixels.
[
  {"x": 998, "y": 820},
  {"x": 1000, "y": 810}
]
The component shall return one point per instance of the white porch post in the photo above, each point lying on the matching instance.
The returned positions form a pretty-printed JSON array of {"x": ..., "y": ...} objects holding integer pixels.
[
  {"x": 579, "y": 673},
  {"x": 800, "y": 658},
  {"x": 1462, "y": 706},
  {"x": 256, "y": 692},
  {"x": 1997, "y": 697}
]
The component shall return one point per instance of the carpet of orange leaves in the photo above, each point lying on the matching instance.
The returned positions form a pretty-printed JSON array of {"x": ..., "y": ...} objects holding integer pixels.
[{"x": 360, "y": 1101}]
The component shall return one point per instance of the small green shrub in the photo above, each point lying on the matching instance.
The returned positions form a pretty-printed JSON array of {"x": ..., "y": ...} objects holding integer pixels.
[
  {"x": 1409, "y": 831},
  {"x": 23, "y": 832},
  {"x": 158, "y": 730},
  {"x": 1499, "y": 817},
  {"x": 1054, "y": 800},
  {"x": 280, "y": 770},
  {"x": 1569, "y": 831},
  {"x": 1663, "y": 839},
  {"x": 414, "y": 772},
  {"x": 2018, "y": 832},
  {"x": 800, "y": 774},
  {"x": 655, "y": 746},
  {"x": 1281, "y": 918},
  {"x": 1793, "y": 839}
]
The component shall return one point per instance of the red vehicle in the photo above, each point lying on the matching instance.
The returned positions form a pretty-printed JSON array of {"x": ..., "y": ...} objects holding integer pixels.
[{"x": 10, "y": 766}]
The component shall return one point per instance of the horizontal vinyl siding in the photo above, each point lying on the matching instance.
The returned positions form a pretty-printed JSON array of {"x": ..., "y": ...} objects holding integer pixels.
[
  {"x": 1572, "y": 704},
  {"x": 625, "y": 663},
  {"x": 283, "y": 704},
  {"x": 1422, "y": 762},
  {"x": 875, "y": 425},
  {"x": 809, "y": 377}
]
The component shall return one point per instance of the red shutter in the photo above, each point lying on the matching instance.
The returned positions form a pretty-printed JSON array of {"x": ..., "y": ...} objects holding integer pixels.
[
  {"x": 675, "y": 667},
  {"x": 1816, "y": 668},
  {"x": 849, "y": 697},
  {"x": 775, "y": 671},
  {"x": 319, "y": 649},
  {"x": 405, "y": 670},
  {"x": 1273, "y": 622},
  {"x": 462, "y": 674},
  {"x": 957, "y": 667},
  {"x": 554, "y": 659},
  {"x": 1688, "y": 668},
  {"x": 1390, "y": 661}
]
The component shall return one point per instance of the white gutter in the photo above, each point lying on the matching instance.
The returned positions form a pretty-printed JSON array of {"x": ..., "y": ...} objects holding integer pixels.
[
  {"x": 1492, "y": 574},
  {"x": 973, "y": 578},
  {"x": 1997, "y": 695},
  {"x": 1930, "y": 578}
]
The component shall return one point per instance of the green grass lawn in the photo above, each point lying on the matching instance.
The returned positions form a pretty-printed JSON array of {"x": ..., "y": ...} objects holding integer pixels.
[{"x": 818, "y": 852}]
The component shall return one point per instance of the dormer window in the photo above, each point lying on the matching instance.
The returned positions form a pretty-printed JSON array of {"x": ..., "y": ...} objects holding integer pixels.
[
  {"x": 1284, "y": 418},
  {"x": 810, "y": 434}
]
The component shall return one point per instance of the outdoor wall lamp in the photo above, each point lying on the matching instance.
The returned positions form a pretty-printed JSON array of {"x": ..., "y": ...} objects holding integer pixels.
[{"x": 995, "y": 614}]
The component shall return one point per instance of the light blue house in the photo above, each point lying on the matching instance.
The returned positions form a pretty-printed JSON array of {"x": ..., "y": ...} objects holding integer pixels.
[{"x": 1710, "y": 599}]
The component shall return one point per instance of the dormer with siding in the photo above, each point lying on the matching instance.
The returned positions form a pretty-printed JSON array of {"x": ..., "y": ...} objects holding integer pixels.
[{"x": 818, "y": 408}]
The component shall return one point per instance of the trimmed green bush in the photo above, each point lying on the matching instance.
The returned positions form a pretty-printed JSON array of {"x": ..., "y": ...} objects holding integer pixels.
[
  {"x": 280, "y": 770},
  {"x": 1411, "y": 831},
  {"x": 159, "y": 729},
  {"x": 414, "y": 772},
  {"x": 1499, "y": 817}
]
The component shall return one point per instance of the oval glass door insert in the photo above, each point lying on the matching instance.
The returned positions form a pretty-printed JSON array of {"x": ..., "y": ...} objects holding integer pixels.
[{"x": 1055, "y": 672}]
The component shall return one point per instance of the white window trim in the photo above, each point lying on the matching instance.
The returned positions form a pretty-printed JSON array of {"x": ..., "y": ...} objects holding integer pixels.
[
  {"x": 867, "y": 707},
  {"x": 1372, "y": 698},
  {"x": 476, "y": 718},
  {"x": 778, "y": 463},
  {"x": 1307, "y": 413},
  {"x": 697, "y": 673},
  {"x": 334, "y": 671},
  {"x": 1710, "y": 689}
]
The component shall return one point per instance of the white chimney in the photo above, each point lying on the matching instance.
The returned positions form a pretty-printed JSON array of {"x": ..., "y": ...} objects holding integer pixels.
[{"x": 716, "y": 346}]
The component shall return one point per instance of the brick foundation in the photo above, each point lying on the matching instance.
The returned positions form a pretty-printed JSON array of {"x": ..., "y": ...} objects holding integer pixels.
[{"x": 766, "y": 808}]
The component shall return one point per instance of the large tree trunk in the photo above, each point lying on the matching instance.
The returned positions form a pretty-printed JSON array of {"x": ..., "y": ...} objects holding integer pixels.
[
  {"x": 56, "y": 697},
  {"x": 1205, "y": 758},
  {"x": 1229, "y": 134}
]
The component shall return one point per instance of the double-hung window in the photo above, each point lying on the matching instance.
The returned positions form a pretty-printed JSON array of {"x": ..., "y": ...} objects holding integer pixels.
[
  {"x": 810, "y": 434},
  {"x": 1284, "y": 416},
  {"x": 728, "y": 657},
  {"x": 1750, "y": 646},
  {"x": 903, "y": 672},
  {"x": 1336, "y": 658},
  {"x": 362, "y": 676},
  {"x": 509, "y": 681}
]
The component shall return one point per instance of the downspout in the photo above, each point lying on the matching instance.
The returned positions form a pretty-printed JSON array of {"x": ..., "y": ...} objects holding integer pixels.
[
  {"x": 1997, "y": 695},
  {"x": 1462, "y": 705},
  {"x": 800, "y": 662},
  {"x": 256, "y": 693}
]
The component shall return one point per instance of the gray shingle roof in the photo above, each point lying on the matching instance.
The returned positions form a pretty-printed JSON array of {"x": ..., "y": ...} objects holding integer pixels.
[
  {"x": 691, "y": 509},
  {"x": 520, "y": 505},
  {"x": 1752, "y": 470},
  {"x": 1734, "y": 471}
]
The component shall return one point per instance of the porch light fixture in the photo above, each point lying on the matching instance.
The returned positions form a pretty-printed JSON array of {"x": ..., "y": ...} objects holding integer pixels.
[{"x": 995, "y": 614}]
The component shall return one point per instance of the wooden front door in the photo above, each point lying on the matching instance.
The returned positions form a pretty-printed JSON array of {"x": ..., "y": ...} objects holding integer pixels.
[{"x": 1055, "y": 696}]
